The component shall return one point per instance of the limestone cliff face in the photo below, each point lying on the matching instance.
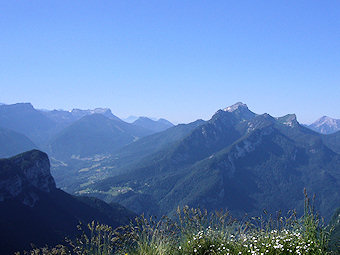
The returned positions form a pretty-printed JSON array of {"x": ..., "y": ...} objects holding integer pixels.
[{"x": 24, "y": 176}]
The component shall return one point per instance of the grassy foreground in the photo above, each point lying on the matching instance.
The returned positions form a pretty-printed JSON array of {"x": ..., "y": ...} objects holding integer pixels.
[{"x": 199, "y": 233}]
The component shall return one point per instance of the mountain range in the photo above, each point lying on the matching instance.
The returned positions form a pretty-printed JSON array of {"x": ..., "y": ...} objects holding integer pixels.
[
  {"x": 94, "y": 134},
  {"x": 65, "y": 118},
  {"x": 24, "y": 119},
  {"x": 51, "y": 130},
  {"x": 33, "y": 210},
  {"x": 238, "y": 160}
]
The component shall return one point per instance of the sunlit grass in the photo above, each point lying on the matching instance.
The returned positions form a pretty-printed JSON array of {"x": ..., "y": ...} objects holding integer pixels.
[{"x": 198, "y": 233}]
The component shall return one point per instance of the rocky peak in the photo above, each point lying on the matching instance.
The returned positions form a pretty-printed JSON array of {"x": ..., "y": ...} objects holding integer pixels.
[
  {"x": 24, "y": 176},
  {"x": 234, "y": 107},
  {"x": 326, "y": 125},
  {"x": 260, "y": 122},
  {"x": 325, "y": 120},
  {"x": 240, "y": 111},
  {"x": 288, "y": 120}
]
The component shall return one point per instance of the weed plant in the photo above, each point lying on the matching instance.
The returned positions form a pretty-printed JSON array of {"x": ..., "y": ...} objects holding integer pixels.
[{"x": 195, "y": 232}]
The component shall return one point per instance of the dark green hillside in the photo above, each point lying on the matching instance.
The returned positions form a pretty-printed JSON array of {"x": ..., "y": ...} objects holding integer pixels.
[
  {"x": 12, "y": 143},
  {"x": 262, "y": 170},
  {"x": 33, "y": 210}
]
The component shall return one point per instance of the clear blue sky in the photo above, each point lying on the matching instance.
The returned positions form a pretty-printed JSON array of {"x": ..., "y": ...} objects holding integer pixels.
[{"x": 181, "y": 60}]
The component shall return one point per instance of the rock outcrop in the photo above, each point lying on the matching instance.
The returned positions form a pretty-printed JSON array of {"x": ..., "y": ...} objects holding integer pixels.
[
  {"x": 34, "y": 211},
  {"x": 24, "y": 176}
]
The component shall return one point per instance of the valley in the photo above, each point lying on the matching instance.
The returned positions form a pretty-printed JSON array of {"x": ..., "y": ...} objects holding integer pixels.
[{"x": 238, "y": 160}]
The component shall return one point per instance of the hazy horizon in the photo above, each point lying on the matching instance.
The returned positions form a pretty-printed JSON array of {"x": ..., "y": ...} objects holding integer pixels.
[{"x": 160, "y": 117}]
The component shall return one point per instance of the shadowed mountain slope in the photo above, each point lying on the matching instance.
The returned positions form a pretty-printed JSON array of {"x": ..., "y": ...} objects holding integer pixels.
[
  {"x": 33, "y": 210},
  {"x": 238, "y": 161},
  {"x": 333, "y": 141}
]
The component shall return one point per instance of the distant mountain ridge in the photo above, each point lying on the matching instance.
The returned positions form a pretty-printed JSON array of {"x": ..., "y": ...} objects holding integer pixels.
[
  {"x": 13, "y": 143},
  {"x": 155, "y": 126},
  {"x": 65, "y": 118},
  {"x": 104, "y": 111},
  {"x": 33, "y": 210},
  {"x": 46, "y": 130},
  {"x": 326, "y": 125},
  {"x": 94, "y": 134},
  {"x": 130, "y": 119},
  {"x": 237, "y": 160},
  {"x": 24, "y": 119}
]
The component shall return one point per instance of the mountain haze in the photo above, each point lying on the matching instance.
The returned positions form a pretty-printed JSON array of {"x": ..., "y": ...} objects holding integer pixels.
[
  {"x": 78, "y": 113},
  {"x": 24, "y": 119},
  {"x": 12, "y": 143},
  {"x": 94, "y": 134},
  {"x": 130, "y": 119},
  {"x": 155, "y": 126}
]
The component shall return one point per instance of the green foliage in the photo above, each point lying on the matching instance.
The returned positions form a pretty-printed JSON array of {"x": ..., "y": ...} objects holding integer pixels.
[
  {"x": 198, "y": 233},
  {"x": 96, "y": 242},
  {"x": 334, "y": 228}
]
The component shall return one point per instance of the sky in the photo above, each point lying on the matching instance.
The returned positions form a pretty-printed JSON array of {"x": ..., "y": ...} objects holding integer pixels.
[{"x": 180, "y": 60}]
